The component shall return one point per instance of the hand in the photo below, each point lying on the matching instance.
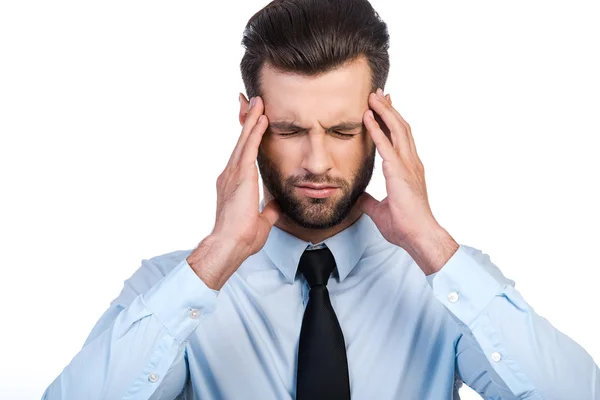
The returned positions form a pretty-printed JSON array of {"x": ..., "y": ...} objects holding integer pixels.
[
  {"x": 237, "y": 217},
  {"x": 404, "y": 217},
  {"x": 240, "y": 229}
]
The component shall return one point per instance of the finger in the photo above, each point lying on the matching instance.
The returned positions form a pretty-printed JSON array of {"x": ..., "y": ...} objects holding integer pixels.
[
  {"x": 408, "y": 130},
  {"x": 250, "y": 150},
  {"x": 366, "y": 203},
  {"x": 383, "y": 144},
  {"x": 240, "y": 137},
  {"x": 256, "y": 109},
  {"x": 411, "y": 139},
  {"x": 271, "y": 211},
  {"x": 254, "y": 113},
  {"x": 398, "y": 131}
]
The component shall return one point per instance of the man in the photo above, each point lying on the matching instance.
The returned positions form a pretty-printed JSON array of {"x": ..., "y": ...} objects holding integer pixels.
[{"x": 320, "y": 291}]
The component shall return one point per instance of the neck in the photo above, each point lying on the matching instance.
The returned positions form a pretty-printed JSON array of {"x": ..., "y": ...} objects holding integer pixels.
[{"x": 312, "y": 235}]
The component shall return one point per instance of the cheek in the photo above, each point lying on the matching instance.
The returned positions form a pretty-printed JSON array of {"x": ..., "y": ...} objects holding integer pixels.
[
  {"x": 349, "y": 158},
  {"x": 367, "y": 143},
  {"x": 270, "y": 147},
  {"x": 283, "y": 153},
  {"x": 278, "y": 149}
]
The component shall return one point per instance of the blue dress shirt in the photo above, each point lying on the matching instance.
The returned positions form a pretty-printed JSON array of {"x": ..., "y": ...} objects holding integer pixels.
[{"x": 408, "y": 336}]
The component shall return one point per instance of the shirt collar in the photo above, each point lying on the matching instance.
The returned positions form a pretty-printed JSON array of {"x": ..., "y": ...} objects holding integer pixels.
[{"x": 347, "y": 247}]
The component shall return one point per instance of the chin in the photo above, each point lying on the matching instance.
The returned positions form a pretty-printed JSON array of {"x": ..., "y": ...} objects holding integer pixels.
[{"x": 315, "y": 213}]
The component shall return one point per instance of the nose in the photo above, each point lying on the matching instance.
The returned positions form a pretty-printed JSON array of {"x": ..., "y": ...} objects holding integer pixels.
[{"x": 317, "y": 158}]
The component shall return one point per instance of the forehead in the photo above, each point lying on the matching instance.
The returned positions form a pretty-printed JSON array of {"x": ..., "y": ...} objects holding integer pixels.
[{"x": 334, "y": 95}]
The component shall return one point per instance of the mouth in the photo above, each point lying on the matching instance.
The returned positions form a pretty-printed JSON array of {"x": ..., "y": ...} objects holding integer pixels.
[{"x": 317, "y": 191}]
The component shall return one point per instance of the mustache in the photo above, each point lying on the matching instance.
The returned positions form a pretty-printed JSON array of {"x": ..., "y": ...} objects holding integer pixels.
[{"x": 317, "y": 180}]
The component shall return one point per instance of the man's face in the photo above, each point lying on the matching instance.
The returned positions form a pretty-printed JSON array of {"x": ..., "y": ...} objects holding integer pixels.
[{"x": 312, "y": 110}]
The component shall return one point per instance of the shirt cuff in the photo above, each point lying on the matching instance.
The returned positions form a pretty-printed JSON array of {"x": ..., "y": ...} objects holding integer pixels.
[
  {"x": 467, "y": 283},
  {"x": 181, "y": 300}
]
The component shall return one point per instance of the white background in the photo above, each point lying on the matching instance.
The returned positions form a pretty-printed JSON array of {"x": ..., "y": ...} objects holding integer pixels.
[{"x": 116, "y": 117}]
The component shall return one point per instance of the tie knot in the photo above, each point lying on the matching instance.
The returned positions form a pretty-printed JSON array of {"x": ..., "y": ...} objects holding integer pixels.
[{"x": 316, "y": 266}]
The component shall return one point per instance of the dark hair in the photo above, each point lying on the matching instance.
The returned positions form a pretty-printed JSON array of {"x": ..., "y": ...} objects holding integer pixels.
[{"x": 311, "y": 37}]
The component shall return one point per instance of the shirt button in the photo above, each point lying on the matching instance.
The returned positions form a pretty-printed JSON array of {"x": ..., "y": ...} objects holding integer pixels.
[
  {"x": 453, "y": 297},
  {"x": 496, "y": 356},
  {"x": 153, "y": 377},
  {"x": 194, "y": 313}
]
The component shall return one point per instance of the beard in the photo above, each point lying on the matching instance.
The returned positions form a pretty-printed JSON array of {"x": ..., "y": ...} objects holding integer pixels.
[{"x": 309, "y": 212}]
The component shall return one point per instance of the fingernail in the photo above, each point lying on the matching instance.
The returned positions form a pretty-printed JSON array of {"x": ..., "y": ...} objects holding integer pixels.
[
  {"x": 370, "y": 114},
  {"x": 380, "y": 92},
  {"x": 252, "y": 103}
]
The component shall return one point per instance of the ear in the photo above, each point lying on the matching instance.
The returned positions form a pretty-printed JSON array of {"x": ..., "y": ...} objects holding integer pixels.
[{"x": 244, "y": 104}]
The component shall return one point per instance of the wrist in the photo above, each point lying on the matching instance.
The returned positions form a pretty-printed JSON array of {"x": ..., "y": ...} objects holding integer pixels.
[
  {"x": 432, "y": 250},
  {"x": 215, "y": 260}
]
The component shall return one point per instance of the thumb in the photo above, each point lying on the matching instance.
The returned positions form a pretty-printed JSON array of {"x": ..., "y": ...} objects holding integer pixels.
[
  {"x": 271, "y": 211},
  {"x": 366, "y": 203}
]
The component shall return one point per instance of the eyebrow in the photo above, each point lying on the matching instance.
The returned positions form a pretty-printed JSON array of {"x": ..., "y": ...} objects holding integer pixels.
[{"x": 290, "y": 126}]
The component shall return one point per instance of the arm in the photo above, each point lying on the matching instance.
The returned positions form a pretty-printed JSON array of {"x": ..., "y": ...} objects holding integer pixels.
[
  {"x": 527, "y": 355},
  {"x": 136, "y": 349},
  {"x": 507, "y": 350}
]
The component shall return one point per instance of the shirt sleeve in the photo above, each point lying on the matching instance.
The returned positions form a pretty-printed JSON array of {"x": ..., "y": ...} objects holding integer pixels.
[
  {"x": 507, "y": 350},
  {"x": 136, "y": 349}
]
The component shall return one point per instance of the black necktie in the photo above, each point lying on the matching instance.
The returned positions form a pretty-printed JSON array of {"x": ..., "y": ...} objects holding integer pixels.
[{"x": 322, "y": 363}]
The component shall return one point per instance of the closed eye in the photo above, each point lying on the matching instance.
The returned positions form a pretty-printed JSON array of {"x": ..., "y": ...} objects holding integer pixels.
[{"x": 345, "y": 135}]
